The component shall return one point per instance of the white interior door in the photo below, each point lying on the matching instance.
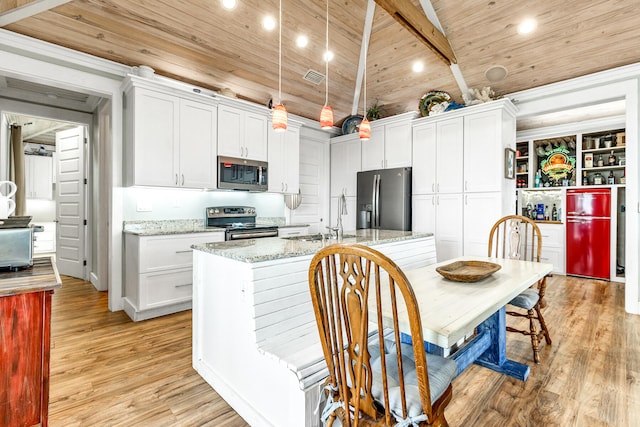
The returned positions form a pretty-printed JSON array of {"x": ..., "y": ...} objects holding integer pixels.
[{"x": 70, "y": 207}]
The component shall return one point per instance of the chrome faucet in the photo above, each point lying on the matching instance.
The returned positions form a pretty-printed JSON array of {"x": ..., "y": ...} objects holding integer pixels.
[{"x": 342, "y": 210}]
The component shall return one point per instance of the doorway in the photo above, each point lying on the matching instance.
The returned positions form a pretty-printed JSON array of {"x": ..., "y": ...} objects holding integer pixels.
[{"x": 55, "y": 188}]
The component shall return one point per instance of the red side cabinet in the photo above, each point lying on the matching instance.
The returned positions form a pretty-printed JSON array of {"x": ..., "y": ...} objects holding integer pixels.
[{"x": 25, "y": 339}]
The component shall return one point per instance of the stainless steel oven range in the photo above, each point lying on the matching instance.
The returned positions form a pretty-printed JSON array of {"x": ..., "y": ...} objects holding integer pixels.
[{"x": 239, "y": 222}]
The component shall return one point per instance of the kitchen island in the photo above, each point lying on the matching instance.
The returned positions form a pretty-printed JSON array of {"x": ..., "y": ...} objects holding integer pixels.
[
  {"x": 254, "y": 332},
  {"x": 25, "y": 334}
]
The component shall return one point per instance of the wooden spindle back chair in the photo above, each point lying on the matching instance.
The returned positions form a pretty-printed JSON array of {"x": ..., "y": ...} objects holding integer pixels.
[
  {"x": 518, "y": 237},
  {"x": 363, "y": 304}
]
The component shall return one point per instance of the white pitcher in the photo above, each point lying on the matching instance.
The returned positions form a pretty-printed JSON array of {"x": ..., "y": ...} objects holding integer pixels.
[
  {"x": 7, "y": 207},
  {"x": 7, "y": 189}
]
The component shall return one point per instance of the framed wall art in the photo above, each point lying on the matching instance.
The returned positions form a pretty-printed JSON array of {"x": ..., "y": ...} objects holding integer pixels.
[{"x": 509, "y": 163}]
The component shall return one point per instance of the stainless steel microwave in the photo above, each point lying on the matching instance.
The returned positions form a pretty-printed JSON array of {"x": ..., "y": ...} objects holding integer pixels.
[{"x": 242, "y": 174}]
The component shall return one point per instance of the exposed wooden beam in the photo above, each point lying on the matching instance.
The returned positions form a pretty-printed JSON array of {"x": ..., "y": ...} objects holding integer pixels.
[
  {"x": 417, "y": 23},
  {"x": 364, "y": 47},
  {"x": 28, "y": 10},
  {"x": 427, "y": 6}
]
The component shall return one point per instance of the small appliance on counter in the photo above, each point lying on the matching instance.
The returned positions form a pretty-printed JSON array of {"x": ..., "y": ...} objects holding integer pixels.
[
  {"x": 239, "y": 222},
  {"x": 16, "y": 243}
]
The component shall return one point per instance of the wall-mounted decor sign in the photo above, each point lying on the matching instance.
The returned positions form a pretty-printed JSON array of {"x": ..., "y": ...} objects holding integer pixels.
[{"x": 558, "y": 164}]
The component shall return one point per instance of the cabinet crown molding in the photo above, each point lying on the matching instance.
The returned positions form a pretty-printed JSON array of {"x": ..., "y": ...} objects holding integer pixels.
[{"x": 504, "y": 104}]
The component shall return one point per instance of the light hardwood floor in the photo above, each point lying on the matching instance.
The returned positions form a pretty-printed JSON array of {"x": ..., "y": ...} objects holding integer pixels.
[{"x": 109, "y": 371}]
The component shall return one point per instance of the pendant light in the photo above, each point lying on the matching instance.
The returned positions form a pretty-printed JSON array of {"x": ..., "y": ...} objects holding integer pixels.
[
  {"x": 326, "y": 115},
  {"x": 365, "y": 126},
  {"x": 279, "y": 116}
]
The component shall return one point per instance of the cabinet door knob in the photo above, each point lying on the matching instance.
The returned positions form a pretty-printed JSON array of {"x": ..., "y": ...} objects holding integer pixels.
[
  {"x": 182, "y": 179},
  {"x": 176, "y": 179}
]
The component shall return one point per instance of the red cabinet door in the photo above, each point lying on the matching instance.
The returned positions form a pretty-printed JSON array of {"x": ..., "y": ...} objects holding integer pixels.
[{"x": 24, "y": 358}]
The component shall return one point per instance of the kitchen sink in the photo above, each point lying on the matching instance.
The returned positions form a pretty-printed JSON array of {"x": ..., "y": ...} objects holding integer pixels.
[{"x": 316, "y": 237}]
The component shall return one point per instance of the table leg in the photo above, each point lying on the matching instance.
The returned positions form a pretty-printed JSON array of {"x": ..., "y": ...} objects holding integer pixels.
[{"x": 495, "y": 357}]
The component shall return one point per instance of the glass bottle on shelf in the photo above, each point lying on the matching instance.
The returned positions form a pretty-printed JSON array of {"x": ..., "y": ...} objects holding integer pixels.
[
  {"x": 600, "y": 162},
  {"x": 536, "y": 183},
  {"x": 598, "y": 179},
  {"x": 612, "y": 159},
  {"x": 611, "y": 179},
  {"x": 554, "y": 213},
  {"x": 623, "y": 178},
  {"x": 585, "y": 178}
]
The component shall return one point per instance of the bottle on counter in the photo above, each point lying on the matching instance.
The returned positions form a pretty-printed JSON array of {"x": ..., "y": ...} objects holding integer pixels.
[
  {"x": 585, "y": 178},
  {"x": 546, "y": 212},
  {"x": 611, "y": 179},
  {"x": 600, "y": 162},
  {"x": 554, "y": 213},
  {"x": 612, "y": 159}
]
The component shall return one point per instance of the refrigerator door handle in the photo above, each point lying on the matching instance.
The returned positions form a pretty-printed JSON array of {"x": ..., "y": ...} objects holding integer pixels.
[
  {"x": 378, "y": 201},
  {"x": 374, "y": 202}
]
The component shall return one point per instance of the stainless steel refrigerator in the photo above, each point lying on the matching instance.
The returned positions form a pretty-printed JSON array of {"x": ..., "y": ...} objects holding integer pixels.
[{"x": 384, "y": 199}]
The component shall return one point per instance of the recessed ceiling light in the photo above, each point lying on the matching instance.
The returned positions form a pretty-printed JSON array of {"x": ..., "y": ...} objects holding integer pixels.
[
  {"x": 328, "y": 56},
  {"x": 302, "y": 41},
  {"x": 417, "y": 67},
  {"x": 495, "y": 73},
  {"x": 268, "y": 23},
  {"x": 229, "y": 4},
  {"x": 527, "y": 26}
]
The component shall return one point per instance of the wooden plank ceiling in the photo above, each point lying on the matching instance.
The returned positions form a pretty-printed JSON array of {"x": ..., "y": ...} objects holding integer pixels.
[{"x": 201, "y": 43}]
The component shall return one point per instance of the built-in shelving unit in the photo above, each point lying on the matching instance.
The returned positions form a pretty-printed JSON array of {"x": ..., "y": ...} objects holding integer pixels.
[{"x": 578, "y": 147}]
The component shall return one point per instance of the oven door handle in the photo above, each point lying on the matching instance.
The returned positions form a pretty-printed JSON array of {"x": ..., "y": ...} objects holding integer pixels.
[{"x": 237, "y": 236}]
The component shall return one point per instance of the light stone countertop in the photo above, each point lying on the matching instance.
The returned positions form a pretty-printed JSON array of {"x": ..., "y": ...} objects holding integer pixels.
[
  {"x": 185, "y": 226},
  {"x": 166, "y": 227},
  {"x": 273, "y": 248}
]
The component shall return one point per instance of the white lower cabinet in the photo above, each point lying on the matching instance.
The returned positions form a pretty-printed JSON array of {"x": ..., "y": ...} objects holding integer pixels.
[
  {"x": 553, "y": 246},
  {"x": 44, "y": 241},
  {"x": 481, "y": 211},
  {"x": 440, "y": 214},
  {"x": 159, "y": 272},
  {"x": 292, "y": 231}
]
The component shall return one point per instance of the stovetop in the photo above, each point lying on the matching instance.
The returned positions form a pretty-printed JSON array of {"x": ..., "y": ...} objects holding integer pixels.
[{"x": 234, "y": 218}]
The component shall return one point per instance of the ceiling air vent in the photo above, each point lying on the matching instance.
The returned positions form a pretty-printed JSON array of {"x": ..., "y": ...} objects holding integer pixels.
[{"x": 314, "y": 77}]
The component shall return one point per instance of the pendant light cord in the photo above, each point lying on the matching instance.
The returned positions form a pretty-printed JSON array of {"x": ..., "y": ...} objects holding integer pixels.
[
  {"x": 280, "y": 56},
  {"x": 366, "y": 52},
  {"x": 326, "y": 60}
]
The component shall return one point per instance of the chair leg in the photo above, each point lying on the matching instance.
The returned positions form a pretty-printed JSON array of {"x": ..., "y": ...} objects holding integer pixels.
[
  {"x": 531, "y": 315},
  {"x": 543, "y": 325}
]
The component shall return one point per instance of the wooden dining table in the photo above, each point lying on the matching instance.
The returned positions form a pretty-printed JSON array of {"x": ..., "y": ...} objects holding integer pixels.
[{"x": 466, "y": 321}]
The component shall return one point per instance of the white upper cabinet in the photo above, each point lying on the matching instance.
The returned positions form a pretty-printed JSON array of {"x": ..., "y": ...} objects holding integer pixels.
[
  {"x": 178, "y": 133},
  {"x": 242, "y": 133},
  {"x": 345, "y": 165},
  {"x": 38, "y": 177},
  {"x": 153, "y": 127},
  {"x": 437, "y": 157},
  {"x": 486, "y": 135},
  {"x": 397, "y": 145},
  {"x": 284, "y": 160},
  {"x": 198, "y": 134},
  {"x": 390, "y": 144}
]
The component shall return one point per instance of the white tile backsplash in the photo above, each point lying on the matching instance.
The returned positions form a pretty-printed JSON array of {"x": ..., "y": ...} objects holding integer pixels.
[{"x": 169, "y": 203}]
